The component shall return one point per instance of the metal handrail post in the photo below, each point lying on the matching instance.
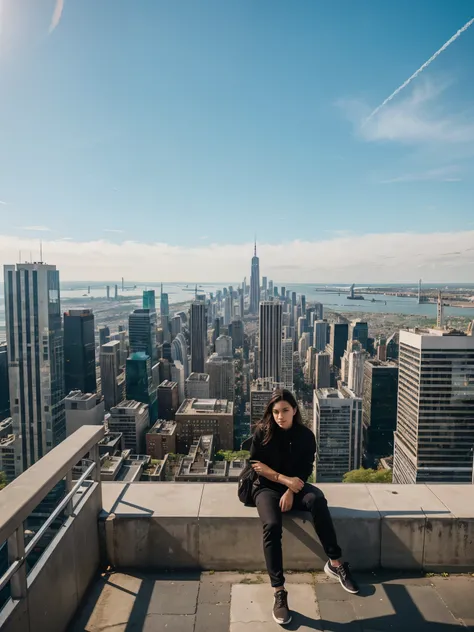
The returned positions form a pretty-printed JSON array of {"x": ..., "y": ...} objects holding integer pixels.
[{"x": 16, "y": 553}]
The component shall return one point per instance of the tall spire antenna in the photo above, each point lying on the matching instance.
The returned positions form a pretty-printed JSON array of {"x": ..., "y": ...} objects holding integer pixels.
[{"x": 255, "y": 247}]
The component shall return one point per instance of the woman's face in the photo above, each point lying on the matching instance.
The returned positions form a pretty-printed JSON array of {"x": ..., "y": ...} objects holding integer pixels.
[{"x": 283, "y": 414}]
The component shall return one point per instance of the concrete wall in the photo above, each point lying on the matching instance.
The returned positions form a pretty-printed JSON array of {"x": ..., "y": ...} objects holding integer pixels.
[
  {"x": 204, "y": 526},
  {"x": 60, "y": 579}
]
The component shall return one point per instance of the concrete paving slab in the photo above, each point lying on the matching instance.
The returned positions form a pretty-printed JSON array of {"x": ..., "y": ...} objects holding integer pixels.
[
  {"x": 458, "y": 595},
  {"x": 170, "y": 623},
  {"x": 332, "y": 591},
  {"x": 212, "y": 618},
  {"x": 338, "y": 612},
  {"x": 255, "y": 603},
  {"x": 459, "y": 499},
  {"x": 213, "y": 591},
  {"x": 152, "y": 500},
  {"x": 171, "y": 597}
]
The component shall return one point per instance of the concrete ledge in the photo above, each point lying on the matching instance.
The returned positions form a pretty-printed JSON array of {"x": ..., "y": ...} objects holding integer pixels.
[{"x": 183, "y": 525}]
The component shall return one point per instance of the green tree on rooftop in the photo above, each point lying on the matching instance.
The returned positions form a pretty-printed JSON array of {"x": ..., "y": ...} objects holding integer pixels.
[
  {"x": 363, "y": 475},
  {"x": 3, "y": 480}
]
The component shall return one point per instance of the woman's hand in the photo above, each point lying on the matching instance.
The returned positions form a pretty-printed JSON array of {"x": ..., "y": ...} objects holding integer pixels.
[
  {"x": 294, "y": 483},
  {"x": 286, "y": 501},
  {"x": 263, "y": 470}
]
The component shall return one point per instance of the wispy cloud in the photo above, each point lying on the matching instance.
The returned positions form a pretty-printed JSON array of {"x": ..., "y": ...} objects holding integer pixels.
[
  {"x": 1, "y": 201},
  {"x": 204, "y": 237},
  {"x": 376, "y": 257},
  {"x": 113, "y": 230},
  {"x": 441, "y": 174},
  {"x": 35, "y": 228},
  {"x": 414, "y": 120},
  {"x": 66, "y": 238},
  {"x": 420, "y": 70},
  {"x": 57, "y": 13}
]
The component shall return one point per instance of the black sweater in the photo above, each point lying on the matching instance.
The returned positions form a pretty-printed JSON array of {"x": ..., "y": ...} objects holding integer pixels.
[{"x": 289, "y": 452}]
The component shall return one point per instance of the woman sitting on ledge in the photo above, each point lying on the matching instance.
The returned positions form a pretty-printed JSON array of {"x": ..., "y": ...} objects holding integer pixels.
[{"x": 282, "y": 454}]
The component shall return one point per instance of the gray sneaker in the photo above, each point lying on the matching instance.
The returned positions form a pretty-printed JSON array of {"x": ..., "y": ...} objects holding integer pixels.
[{"x": 281, "y": 613}]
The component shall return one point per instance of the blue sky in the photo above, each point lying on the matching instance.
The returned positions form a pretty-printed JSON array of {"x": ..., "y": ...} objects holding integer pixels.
[{"x": 192, "y": 125}]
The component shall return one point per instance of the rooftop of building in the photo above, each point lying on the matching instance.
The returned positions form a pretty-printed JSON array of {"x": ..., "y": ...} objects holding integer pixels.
[
  {"x": 410, "y": 548},
  {"x": 6, "y": 424},
  {"x": 343, "y": 392},
  {"x": 79, "y": 312},
  {"x": 163, "y": 427},
  {"x": 110, "y": 438},
  {"x": 194, "y": 406},
  {"x": 200, "y": 462},
  {"x": 389, "y": 364},
  {"x": 169, "y": 384},
  {"x": 79, "y": 396},
  {"x": 110, "y": 346},
  {"x": 128, "y": 405},
  {"x": 198, "y": 377}
]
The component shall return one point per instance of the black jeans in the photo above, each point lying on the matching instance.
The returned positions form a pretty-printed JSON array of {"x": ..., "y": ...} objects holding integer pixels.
[{"x": 310, "y": 499}]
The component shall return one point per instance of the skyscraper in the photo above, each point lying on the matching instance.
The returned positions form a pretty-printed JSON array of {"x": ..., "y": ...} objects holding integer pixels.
[
  {"x": 318, "y": 311},
  {"x": 322, "y": 372},
  {"x": 236, "y": 332},
  {"x": 355, "y": 378},
  {"x": 132, "y": 419},
  {"x": 198, "y": 336},
  {"x": 338, "y": 431},
  {"x": 338, "y": 342},
  {"x": 139, "y": 383},
  {"x": 109, "y": 373},
  {"x": 4, "y": 383},
  {"x": 435, "y": 417},
  {"x": 164, "y": 305},
  {"x": 79, "y": 351},
  {"x": 221, "y": 377},
  {"x": 254, "y": 283},
  {"x": 142, "y": 332},
  {"x": 379, "y": 409},
  {"x": 269, "y": 342},
  {"x": 320, "y": 335},
  {"x": 168, "y": 399},
  {"x": 287, "y": 363},
  {"x": 149, "y": 299},
  {"x": 104, "y": 335},
  {"x": 303, "y": 346},
  {"x": 224, "y": 346},
  {"x": 35, "y": 359},
  {"x": 227, "y": 310},
  {"x": 359, "y": 330}
]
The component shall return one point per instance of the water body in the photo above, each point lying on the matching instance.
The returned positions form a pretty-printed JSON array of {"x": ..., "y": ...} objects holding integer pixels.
[{"x": 179, "y": 292}]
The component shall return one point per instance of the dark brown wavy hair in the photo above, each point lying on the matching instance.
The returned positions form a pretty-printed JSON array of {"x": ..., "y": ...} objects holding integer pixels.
[{"x": 268, "y": 424}]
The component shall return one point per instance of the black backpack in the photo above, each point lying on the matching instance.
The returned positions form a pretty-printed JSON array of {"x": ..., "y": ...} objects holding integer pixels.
[{"x": 248, "y": 481}]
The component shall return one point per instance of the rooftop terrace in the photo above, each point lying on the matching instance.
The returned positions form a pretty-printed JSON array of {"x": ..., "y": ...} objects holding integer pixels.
[{"x": 182, "y": 540}]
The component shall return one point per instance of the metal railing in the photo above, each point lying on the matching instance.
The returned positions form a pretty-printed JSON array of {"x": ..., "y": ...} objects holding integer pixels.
[{"x": 19, "y": 499}]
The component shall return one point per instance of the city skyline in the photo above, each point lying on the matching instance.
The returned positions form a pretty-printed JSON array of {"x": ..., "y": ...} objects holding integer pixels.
[{"x": 290, "y": 142}]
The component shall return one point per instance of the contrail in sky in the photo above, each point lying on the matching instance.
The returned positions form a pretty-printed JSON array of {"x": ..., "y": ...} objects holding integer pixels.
[
  {"x": 58, "y": 11},
  {"x": 420, "y": 70}
]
